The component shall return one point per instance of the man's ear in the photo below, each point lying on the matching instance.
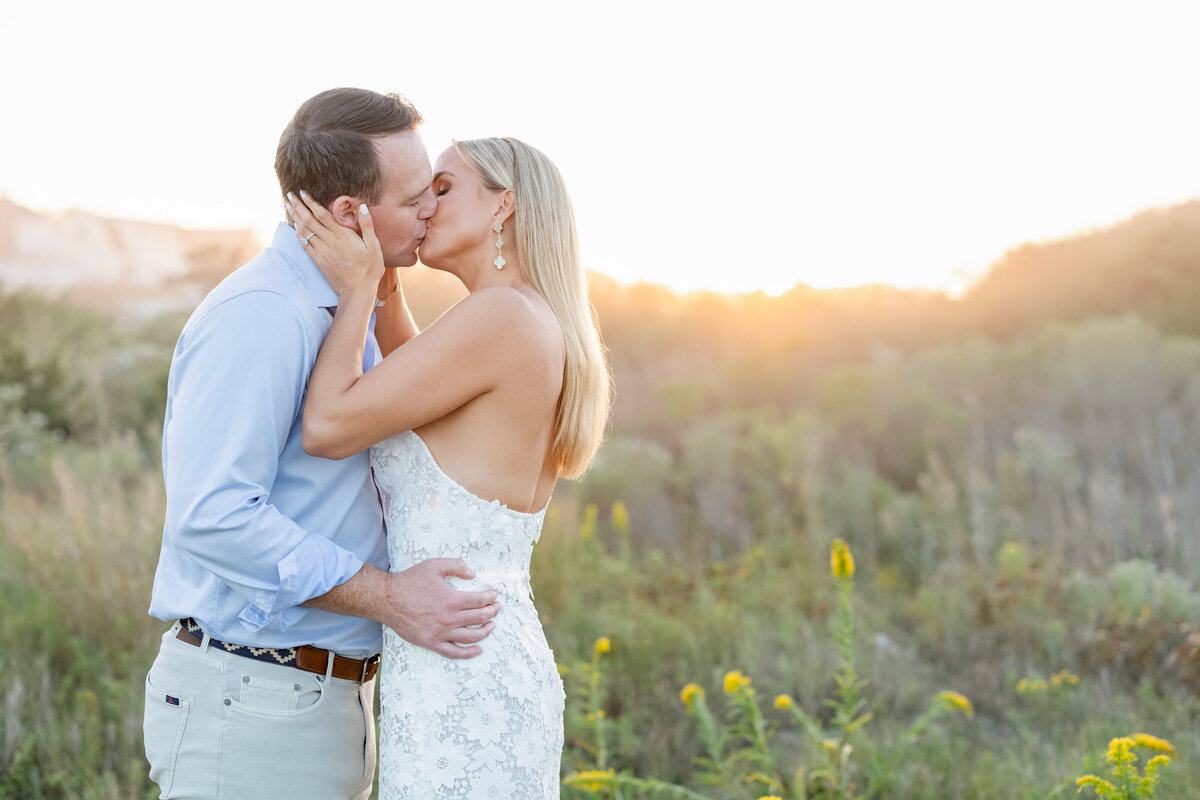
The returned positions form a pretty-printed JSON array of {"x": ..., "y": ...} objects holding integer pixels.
[{"x": 345, "y": 212}]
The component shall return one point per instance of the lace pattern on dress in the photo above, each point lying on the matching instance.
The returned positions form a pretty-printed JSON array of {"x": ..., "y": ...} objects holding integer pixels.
[{"x": 485, "y": 728}]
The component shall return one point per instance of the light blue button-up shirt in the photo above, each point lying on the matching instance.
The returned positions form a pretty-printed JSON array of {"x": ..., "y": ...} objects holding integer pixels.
[{"x": 255, "y": 526}]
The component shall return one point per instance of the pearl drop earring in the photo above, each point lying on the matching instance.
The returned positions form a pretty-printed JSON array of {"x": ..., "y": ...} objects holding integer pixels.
[{"x": 499, "y": 262}]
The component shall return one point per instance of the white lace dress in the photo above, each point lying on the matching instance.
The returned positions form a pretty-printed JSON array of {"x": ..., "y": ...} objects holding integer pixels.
[{"x": 484, "y": 728}]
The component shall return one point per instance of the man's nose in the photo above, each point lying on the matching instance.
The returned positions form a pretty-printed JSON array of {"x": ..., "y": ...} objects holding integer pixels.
[{"x": 428, "y": 205}]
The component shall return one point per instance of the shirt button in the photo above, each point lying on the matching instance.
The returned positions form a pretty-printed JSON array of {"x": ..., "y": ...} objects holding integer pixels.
[
  {"x": 228, "y": 701},
  {"x": 296, "y": 687},
  {"x": 245, "y": 679}
]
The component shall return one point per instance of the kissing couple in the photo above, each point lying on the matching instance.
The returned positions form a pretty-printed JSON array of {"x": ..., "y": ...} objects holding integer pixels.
[{"x": 349, "y": 496}]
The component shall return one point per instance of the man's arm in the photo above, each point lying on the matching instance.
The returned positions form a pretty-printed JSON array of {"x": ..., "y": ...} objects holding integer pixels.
[
  {"x": 237, "y": 384},
  {"x": 419, "y": 605}
]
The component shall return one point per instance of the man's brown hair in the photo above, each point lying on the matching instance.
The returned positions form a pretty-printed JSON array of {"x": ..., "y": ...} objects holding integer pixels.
[{"x": 327, "y": 148}]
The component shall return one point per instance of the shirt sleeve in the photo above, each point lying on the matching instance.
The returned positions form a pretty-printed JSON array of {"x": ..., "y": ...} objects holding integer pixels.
[{"x": 239, "y": 376}]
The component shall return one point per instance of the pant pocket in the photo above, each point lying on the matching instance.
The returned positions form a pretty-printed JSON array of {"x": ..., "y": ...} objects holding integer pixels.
[
  {"x": 262, "y": 694},
  {"x": 162, "y": 729},
  {"x": 366, "y": 699},
  {"x": 316, "y": 751}
]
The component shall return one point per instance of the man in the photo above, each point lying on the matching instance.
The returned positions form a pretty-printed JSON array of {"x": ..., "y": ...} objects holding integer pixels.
[{"x": 273, "y": 563}]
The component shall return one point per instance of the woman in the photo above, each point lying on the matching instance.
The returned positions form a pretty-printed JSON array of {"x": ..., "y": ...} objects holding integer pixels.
[{"x": 472, "y": 423}]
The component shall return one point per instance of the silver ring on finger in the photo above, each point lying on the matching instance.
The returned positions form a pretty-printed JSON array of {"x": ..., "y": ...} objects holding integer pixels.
[{"x": 306, "y": 238}]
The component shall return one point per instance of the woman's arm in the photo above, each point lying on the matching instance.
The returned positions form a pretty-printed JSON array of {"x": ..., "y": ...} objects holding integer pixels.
[
  {"x": 394, "y": 323},
  {"x": 460, "y": 357}
]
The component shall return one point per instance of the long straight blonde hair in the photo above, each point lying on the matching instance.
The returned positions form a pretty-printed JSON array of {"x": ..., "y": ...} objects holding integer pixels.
[{"x": 548, "y": 248}]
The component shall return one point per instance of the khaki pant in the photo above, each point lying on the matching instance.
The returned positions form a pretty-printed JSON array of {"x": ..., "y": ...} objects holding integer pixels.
[{"x": 220, "y": 725}]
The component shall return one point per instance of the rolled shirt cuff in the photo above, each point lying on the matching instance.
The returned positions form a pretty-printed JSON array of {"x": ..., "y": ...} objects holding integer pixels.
[{"x": 314, "y": 567}]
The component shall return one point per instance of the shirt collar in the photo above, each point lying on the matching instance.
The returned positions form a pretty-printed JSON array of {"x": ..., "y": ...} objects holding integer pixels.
[{"x": 285, "y": 240}]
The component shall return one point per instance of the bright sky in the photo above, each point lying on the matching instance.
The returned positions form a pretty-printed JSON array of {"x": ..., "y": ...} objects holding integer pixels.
[{"x": 733, "y": 146}]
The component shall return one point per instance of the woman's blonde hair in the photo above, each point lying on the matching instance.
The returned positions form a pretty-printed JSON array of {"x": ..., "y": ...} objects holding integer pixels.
[{"x": 548, "y": 248}]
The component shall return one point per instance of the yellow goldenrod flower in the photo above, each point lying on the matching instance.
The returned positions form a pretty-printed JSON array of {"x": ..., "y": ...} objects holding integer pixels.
[
  {"x": 1119, "y": 751},
  {"x": 1012, "y": 549},
  {"x": 620, "y": 517},
  {"x": 690, "y": 694},
  {"x": 603, "y": 645},
  {"x": 1153, "y": 743},
  {"x": 770, "y": 797},
  {"x": 1013, "y": 560},
  {"x": 1064, "y": 676},
  {"x": 1124, "y": 766},
  {"x": 956, "y": 700},
  {"x": 783, "y": 702},
  {"x": 735, "y": 681},
  {"x": 591, "y": 780},
  {"x": 1150, "y": 779},
  {"x": 830, "y": 747},
  {"x": 1099, "y": 784},
  {"x": 588, "y": 528},
  {"x": 593, "y": 715},
  {"x": 841, "y": 562}
]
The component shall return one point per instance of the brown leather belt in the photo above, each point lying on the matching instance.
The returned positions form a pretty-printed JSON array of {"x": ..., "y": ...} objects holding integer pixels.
[{"x": 305, "y": 657}]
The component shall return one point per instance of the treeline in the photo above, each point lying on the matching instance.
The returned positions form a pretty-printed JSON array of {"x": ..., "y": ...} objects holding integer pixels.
[{"x": 763, "y": 350}]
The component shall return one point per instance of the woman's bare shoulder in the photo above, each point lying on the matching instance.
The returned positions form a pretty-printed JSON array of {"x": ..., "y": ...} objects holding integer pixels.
[{"x": 501, "y": 311}]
